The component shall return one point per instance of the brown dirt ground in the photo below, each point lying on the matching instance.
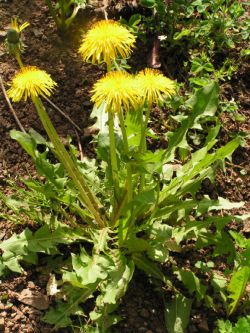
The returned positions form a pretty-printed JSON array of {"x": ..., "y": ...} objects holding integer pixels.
[{"x": 141, "y": 307}]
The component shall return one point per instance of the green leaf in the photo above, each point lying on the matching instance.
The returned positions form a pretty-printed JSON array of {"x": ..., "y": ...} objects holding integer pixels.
[
  {"x": 242, "y": 325},
  {"x": 89, "y": 269},
  {"x": 117, "y": 284},
  {"x": 203, "y": 103},
  {"x": 37, "y": 137},
  {"x": 133, "y": 128},
  {"x": 218, "y": 281},
  {"x": 183, "y": 33},
  {"x": 135, "y": 244},
  {"x": 158, "y": 252},
  {"x": 191, "y": 282},
  {"x": 150, "y": 268},
  {"x": 25, "y": 140},
  {"x": 25, "y": 245},
  {"x": 224, "y": 326},
  {"x": 186, "y": 175},
  {"x": 177, "y": 313},
  {"x": 240, "y": 239},
  {"x": 194, "y": 228},
  {"x": 100, "y": 115},
  {"x": 60, "y": 315},
  {"x": 160, "y": 242},
  {"x": 237, "y": 286},
  {"x": 148, "y": 3},
  {"x": 206, "y": 205}
]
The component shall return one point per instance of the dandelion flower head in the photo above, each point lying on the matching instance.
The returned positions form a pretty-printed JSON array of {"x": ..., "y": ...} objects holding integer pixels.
[
  {"x": 29, "y": 82},
  {"x": 117, "y": 89},
  {"x": 154, "y": 86},
  {"x": 105, "y": 41},
  {"x": 16, "y": 26}
]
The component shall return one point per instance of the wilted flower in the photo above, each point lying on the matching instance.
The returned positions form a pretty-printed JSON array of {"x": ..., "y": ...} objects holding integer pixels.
[
  {"x": 154, "y": 86},
  {"x": 29, "y": 82},
  {"x": 105, "y": 41},
  {"x": 118, "y": 89}
]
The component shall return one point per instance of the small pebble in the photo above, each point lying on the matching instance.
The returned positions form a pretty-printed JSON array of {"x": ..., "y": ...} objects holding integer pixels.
[
  {"x": 31, "y": 285},
  {"x": 18, "y": 317},
  {"x": 1, "y": 323},
  {"x": 4, "y": 314}
]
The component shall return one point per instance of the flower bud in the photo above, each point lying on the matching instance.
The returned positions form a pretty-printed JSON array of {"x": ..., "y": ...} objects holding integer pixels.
[{"x": 13, "y": 36}]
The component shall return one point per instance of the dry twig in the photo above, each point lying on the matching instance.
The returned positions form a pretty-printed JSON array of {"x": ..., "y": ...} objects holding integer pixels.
[
  {"x": 79, "y": 146},
  {"x": 10, "y": 105},
  {"x": 62, "y": 113}
]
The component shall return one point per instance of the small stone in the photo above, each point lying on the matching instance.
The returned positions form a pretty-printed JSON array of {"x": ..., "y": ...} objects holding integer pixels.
[
  {"x": 35, "y": 299},
  {"x": 26, "y": 309},
  {"x": 3, "y": 34},
  {"x": 142, "y": 329},
  {"x": 78, "y": 93},
  {"x": 1, "y": 323},
  {"x": 31, "y": 285},
  {"x": 37, "y": 32},
  {"x": 18, "y": 317},
  {"x": 4, "y": 314}
]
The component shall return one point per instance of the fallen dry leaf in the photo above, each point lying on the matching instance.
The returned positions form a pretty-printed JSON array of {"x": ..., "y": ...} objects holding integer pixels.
[{"x": 34, "y": 298}]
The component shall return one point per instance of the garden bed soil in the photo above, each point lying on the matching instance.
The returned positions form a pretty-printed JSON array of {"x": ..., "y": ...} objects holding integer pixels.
[{"x": 142, "y": 307}]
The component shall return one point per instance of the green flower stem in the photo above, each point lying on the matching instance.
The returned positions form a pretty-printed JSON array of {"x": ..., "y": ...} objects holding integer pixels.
[
  {"x": 72, "y": 17},
  {"x": 108, "y": 66},
  {"x": 19, "y": 60},
  {"x": 86, "y": 195},
  {"x": 143, "y": 142},
  {"x": 126, "y": 148},
  {"x": 113, "y": 158}
]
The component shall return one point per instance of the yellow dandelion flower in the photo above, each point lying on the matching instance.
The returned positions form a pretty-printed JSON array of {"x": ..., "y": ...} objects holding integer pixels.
[
  {"x": 117, "y": 89},
  {"x": 154, "y": 86},
  {"x": 29, "y": 82},
  {"x": 16, "y": 26},
  {"x": 105, "y": 41}
]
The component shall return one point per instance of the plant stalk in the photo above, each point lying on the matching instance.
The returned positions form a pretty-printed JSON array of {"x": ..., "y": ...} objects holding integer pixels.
[
  {"x": 143, "y": 143},
  {"x": 19, "y": 60},
  {"x": 126, "y": 148},
  {"x": 113, "y": 158},
  {"x": 86, "y": 195}
]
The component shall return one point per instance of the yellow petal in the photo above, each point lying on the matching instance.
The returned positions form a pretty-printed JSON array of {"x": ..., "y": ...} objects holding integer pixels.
[
  {"x": 31, "y": 81},
  {"x": 118, "y": 89},
  {"x": 154, "y": 86},
  {"x": 106, "y": 41}
]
